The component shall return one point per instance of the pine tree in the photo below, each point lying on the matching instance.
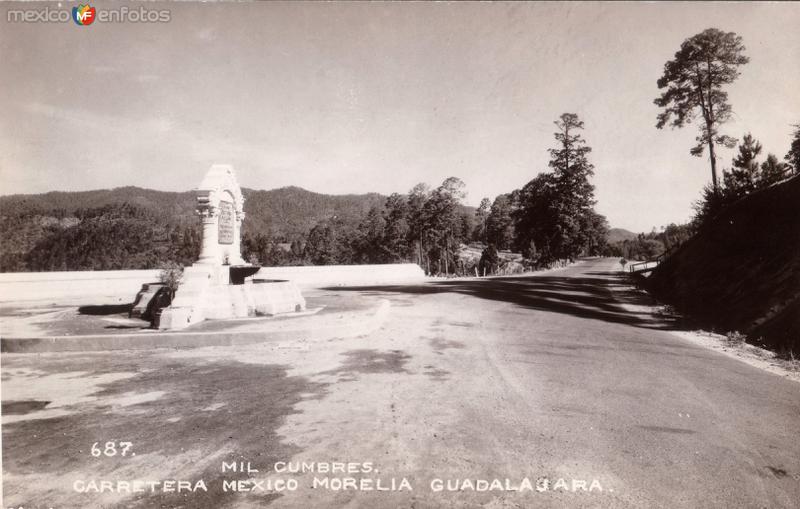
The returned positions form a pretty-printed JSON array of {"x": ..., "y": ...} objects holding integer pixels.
[
  {"x": 533, "y": 220},
  {"x": 693, "y": 80},
  {"x": 369, "y": 247},
  {"x": 792, "y": 157},
  {"x": 553, "y": 214},
  {"x": 574, "y": 195},
  {"x": 417, "y": 222},
  {"x": 481, "y": 215},
  {"x": 744, "y": 176},
  {"x": 500, "y": 224},
  {"x": 772, "y": 171},
  {"x": 443, "y": 228},
  {"x": 396, "y": 230}
]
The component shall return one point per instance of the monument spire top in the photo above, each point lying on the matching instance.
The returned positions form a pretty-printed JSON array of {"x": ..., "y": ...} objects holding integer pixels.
[{"x": 220, "y": 204}]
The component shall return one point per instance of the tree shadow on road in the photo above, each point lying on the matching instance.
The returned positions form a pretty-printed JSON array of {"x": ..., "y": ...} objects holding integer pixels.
[
  {"x": 222, "y": 411},
  {"x": 592, "y": 295}
]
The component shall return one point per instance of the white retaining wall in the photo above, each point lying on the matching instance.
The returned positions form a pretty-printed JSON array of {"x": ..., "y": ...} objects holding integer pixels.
[
  {"x": 120, "y": 286},
  {"x": 320, "y": 276},
  {"x": 90, "y": 287}
]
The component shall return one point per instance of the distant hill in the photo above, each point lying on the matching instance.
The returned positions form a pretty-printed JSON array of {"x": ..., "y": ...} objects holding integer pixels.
[
  {"x": 619, "y": 235},
  {"x": 289, "y": 213},
  {"x": 177, "y": 207},
  {"x": 742, "y": 271},
  {"x": 73, "y": 224},
  {"x": 283, "y": 213}
]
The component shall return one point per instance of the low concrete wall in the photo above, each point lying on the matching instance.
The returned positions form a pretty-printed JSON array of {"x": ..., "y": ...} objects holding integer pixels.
[
  {"x": 320, "y": 276},
  {"x": 120, "y": 286},
  {"x": 79, "y": 287}
]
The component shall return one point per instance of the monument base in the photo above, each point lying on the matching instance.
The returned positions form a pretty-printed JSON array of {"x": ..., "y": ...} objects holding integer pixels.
[{"x": 205, "y": 294}]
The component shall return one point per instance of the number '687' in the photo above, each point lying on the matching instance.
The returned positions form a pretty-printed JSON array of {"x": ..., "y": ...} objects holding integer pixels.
[{"x": 111, "y": 449}]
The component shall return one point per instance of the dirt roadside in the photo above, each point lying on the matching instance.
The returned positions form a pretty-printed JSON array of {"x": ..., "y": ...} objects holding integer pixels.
[{"x": 752, "y": 355}]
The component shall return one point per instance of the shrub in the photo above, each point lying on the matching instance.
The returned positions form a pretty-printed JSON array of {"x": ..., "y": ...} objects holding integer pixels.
[
  {"x": 170, "y": 276},
  {"x": 490, "y": 260},
  {"x": 736, "y": 338}
]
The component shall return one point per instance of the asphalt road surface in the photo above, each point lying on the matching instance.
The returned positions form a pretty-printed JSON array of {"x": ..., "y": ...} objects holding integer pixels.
[{"x": 543, "y": 378}]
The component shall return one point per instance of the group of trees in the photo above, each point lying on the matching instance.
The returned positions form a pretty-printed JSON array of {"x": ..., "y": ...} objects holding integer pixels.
[
  {"x": 556, "y": 217},
  {"x": 265, "y": 250},
  {"x": 745, "y": 176},
  {"x": 693, "y": 83},
  {"x": 425, "y": 226},
  {"x": 552, "y": 217}
]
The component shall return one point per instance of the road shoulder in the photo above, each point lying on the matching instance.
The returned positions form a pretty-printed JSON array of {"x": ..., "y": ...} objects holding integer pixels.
[{"x": 752, "y": 355}]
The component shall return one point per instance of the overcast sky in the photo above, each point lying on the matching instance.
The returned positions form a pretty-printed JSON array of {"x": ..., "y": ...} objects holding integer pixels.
[{"x": 358, "y": 97}]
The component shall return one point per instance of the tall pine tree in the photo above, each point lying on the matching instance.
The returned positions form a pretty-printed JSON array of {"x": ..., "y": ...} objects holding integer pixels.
[
  {"x": 573, "y": 200},
  {"x": 694, "y": 81},
  {"x": 554, "y": 213}
]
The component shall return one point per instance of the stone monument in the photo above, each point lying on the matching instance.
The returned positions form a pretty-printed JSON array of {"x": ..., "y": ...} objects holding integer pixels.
[{"x": 221, "y": 285}]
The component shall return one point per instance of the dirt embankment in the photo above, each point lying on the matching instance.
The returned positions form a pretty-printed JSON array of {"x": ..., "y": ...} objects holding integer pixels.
[{"x": 742, "y": 273}]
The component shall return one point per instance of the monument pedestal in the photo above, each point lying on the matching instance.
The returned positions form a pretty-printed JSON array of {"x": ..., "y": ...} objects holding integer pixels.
[
  {"x": 200, "y": 297},
  {"x": 206, "y": 290}
]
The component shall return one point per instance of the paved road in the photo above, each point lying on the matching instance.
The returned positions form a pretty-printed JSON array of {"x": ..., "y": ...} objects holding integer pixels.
[{"x": 542, "y": 378}]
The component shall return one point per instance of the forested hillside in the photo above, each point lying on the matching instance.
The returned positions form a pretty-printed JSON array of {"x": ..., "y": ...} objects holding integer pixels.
[
  {"x": 131, "y": 227},
  {"x": 289, "y": 213},
  {"x": 741, "y": 271},
  {"x": 283, "y": 213},
  {"x": 136, "y": 228}
]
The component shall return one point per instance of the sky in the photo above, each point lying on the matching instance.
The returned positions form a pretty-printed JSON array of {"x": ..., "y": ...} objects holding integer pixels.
[{"x": 376, "y": 97}]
